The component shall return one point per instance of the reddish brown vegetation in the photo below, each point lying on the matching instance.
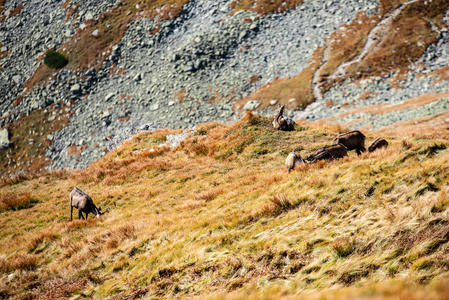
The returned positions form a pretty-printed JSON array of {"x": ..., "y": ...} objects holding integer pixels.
[
  {"x": 17, "y": 101},
  {"x": 254, "y": 79},
  {"x": 124, "y": 119},
  {"x": 366, "y": 95},
  {"x": 181, "y": 96},
  {"x": 12, "y": 13},
  {"x": 28, "y": 153},
  {"x": 3, "y": 54},
  {"x": 76, "y": 151},
  {"x": 71, "y": 11}
]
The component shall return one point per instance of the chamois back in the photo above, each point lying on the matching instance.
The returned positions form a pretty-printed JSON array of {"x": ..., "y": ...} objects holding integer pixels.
[{"x": 354, "y": 140}]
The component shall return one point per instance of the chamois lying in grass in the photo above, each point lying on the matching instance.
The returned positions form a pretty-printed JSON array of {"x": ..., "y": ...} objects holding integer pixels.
[
  {"x": 328, "y": 153},
  {"x": 281, "y": 123},
  {"x": 83, "y": 203},
  {"x": 377, "y": 144},
  {"x": 352, "y": 140}
]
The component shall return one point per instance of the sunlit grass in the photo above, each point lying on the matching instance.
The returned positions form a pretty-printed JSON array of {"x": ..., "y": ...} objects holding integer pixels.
[{"x": 227, "y": 217}]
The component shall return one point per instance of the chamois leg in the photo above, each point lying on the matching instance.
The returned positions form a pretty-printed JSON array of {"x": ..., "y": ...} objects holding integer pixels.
[
  {"x": 80, "y": 215},
  {"x": 71, "y": 213}
]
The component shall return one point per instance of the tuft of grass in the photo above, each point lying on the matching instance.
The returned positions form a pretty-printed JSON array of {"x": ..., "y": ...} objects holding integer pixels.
[
  {"x": 406, "y": 144},
  {"x": 344, "y": 246},
  {"x": 278, "y": 204},
  {"x": 209, "y": 195},
  {"x": 441, "y": 202},
  {"x": 19, "y": 262},
  {"x": 16, "y": 201},
  {"x": 432, "y": 149}
]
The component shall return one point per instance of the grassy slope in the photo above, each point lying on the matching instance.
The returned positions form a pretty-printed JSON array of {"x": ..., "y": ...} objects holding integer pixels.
[{"x": 220, "y": 214}]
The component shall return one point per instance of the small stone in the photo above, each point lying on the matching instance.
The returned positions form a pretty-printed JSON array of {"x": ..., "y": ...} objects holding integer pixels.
[
  {"x": 292, "y": 100},
  {"x": 17, "y": 79},
  {"x": 252, "y": 104},
  {"x": 4, "y": 49},
  {"x": 138, "y": 77},
  {"x": 242, "y": 34},
  {"x": 273, "y": 102},
  {"x": 68, "y": 33},
  {"x": 154, "y": 107},
  {"x": 75, "y": 88},
  {"x": 88, "y": 16},
  {"x": 11, "y": 276},
  {"x": 171, "y": 103},
  {"x": 109, "y": 96},
  {"x": 82, "y": 26},
  {"x": 95, "y": 32},
  {"x": 5, "y": 143}
]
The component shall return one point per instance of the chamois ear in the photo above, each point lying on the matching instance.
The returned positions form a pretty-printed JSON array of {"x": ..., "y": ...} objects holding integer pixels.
[{"x": 99, "y": 208}]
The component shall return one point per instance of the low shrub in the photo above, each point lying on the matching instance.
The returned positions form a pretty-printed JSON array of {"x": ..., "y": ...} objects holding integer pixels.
[
  {"x": 16, "y": 201},
  {"x": 55, "y": 60}
]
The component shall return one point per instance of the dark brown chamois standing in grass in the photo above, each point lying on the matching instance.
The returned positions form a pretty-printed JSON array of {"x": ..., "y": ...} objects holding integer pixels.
[
  {"x": 281, "y": 123},
  {"x": 328, "y": 153},
  {"x": 84, "y": 204},
  {"x": 352, "y": 140},
  {"x": 377, "y": 144},
  {"x": 293, "y": 160}
]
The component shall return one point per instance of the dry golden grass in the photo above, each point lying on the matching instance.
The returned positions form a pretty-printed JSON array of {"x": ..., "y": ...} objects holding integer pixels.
[
  {"x": 225, "y": 218},
  {"x": 14, "y": 201}
]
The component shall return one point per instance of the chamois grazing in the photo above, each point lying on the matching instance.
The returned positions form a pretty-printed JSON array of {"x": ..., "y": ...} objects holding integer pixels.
[
  {"x": 352, "y": 140},
  {"x": 293, "y": 160},
  {"x": 84, "y": 204},
  {"x": 328, "y": 153},
  {"x": 281, "y": 123},
  {"x": 377, "y": 144}
]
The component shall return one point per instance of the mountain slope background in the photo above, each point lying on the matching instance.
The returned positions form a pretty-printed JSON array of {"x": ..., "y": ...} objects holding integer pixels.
[
  {"x": 211, "y": 212},
  {"x": 180, "y": 63}
]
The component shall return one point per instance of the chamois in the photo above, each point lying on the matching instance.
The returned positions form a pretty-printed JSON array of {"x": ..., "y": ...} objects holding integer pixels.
[
  {"x": 328, "y": 152},
  {"x": 377, "y": 144},
  {"x": 293, "y": 160},
  {"x": 281, "y": 123},
  {"x": 352, "y": 140},
  {"x": 83, "y": 203}
]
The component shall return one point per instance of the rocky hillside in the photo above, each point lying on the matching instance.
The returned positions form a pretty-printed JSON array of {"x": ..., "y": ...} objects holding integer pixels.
[{"x": 367, "y": 64}]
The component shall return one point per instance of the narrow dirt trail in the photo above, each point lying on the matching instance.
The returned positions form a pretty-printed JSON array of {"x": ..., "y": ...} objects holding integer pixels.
[
  {"x": 316, "y": 81},
  {"x": 374, "y": 38}
]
